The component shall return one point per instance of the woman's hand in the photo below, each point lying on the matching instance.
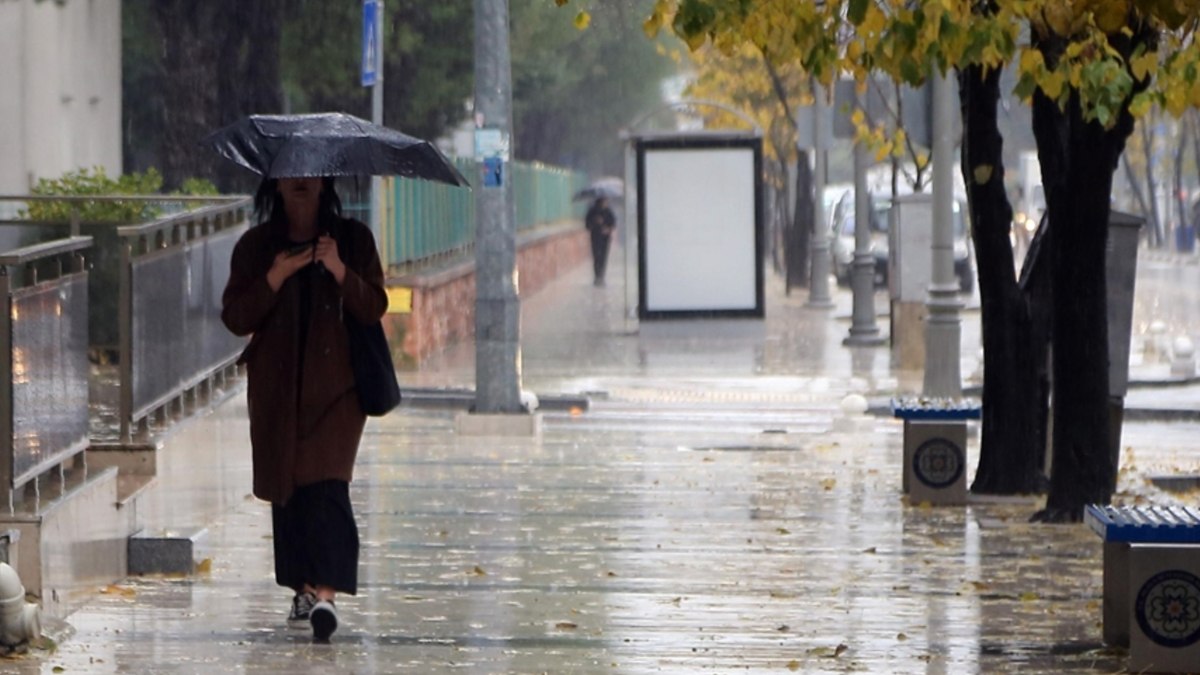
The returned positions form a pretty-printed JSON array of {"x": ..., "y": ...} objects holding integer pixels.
[
  {"x": 285, "y": 265},
  {"x": 327, "y": 255}
]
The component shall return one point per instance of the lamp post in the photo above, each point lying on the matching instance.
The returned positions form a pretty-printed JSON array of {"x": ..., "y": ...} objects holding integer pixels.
[
  {"x": 943, "y": 331},
  {"x": 863, "y": 330}
]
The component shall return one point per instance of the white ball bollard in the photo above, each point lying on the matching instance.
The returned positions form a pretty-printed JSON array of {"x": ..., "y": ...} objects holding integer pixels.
[
  {"x": 853, "y": 407},
  {"x": 1183, "y": 357},
  {"x": 20, "y": 621},
  {"x": 854, "y": 404}
]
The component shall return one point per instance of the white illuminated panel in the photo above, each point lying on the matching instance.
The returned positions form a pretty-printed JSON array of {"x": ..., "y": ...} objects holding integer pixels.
[{"x": 700, "y": 229}]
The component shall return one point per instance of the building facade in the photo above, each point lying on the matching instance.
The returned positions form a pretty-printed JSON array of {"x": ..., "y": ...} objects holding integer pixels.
[{"x": 60, "y": 78}]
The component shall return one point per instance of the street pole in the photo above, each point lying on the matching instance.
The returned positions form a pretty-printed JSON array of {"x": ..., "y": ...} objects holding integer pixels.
[
  {"x": 943, "y": 331},
  {"x": 863, "y": 330},
  {"x": 818, "y": 287},
  {"x": 497, "y": 308}
]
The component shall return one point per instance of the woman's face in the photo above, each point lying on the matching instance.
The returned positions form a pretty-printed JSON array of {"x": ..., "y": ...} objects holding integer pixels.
[{"x": 304, "y": 193}]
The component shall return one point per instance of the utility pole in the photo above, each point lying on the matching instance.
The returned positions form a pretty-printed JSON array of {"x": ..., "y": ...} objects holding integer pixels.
[
  {"x": 497, "y": 308},
  {"x": 943, "y": 331}
]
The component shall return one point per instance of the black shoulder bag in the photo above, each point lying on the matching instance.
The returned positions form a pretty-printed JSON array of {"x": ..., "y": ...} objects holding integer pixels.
[{"x": 371, "y": 358}]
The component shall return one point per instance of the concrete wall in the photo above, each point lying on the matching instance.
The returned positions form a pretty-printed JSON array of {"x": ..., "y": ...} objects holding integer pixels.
[
  {"x": 442, "y": 308},
  {"x": 60, "y": 89}
]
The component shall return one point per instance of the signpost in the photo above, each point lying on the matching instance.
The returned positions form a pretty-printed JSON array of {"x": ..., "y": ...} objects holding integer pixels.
[
  {"x": 371, "y": 53},
  {"x": 372, "y": 76}
]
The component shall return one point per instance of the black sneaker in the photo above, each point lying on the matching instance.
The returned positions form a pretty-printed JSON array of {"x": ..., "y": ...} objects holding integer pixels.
[
  {"x": 323, "y": 618},
  {"x": 302, "y": 606}
]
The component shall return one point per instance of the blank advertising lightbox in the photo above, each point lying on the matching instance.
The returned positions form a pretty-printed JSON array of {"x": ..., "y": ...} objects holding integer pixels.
[{"x": 700, "y": 226}]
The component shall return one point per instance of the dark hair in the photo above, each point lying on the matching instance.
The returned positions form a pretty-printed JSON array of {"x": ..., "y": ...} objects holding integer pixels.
[{"x": 268, "y": 207}]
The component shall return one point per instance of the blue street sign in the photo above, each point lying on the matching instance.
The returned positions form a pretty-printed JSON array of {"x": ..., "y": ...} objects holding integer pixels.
[{"x": 371, "y": 52}]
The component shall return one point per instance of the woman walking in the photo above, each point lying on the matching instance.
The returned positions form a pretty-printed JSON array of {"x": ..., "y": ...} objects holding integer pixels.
[{"x": 292, "y": 278}]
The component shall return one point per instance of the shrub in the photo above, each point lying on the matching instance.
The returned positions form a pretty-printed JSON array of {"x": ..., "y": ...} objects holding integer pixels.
[{"x": 95, "y": 181}]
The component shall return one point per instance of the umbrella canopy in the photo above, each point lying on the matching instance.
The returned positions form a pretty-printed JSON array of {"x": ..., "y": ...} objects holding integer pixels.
[
  {"x": 609, "y": 186},
  {"x": 329, "y": 144}
]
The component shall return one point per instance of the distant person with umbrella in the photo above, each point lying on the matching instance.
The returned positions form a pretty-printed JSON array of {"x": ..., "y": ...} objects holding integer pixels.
[
  {"x": 292, "y": 278},
  {"x": 600, "y": 222}
]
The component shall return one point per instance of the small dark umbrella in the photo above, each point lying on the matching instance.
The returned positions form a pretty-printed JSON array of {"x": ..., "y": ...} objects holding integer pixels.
[
  {"x": 329, "y": 144},
  {"x": 608, "y": 187}
]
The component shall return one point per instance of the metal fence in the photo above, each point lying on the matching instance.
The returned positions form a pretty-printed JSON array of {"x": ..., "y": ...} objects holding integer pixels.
[
  {"x": 44, "y": 379},
  {"x": 173, "y": 344},
  {"x": 424, "y": 221}
]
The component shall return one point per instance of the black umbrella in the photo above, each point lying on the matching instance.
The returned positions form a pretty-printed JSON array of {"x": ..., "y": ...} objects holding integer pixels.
[{"x": 329, "y": 144}]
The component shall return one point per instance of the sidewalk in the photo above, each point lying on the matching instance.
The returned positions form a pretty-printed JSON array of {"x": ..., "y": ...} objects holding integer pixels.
[{"x": 700, "y": 516}]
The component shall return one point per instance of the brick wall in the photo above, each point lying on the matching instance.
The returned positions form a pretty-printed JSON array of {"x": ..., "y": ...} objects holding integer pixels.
[{"x": 443, "y": 301}]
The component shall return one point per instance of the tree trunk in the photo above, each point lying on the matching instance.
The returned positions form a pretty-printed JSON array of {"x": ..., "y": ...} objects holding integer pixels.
[
  {"x": 189, "y": 87},
  {"x": 1136, "y": 186},
  {"x": 1180, "y": 196},
  {"x": 1078, "y": 160},
  {"x": 1156, "y": 227},
  {"x": 1014, "y": 403},
  {"x": 797, "y": 236}
]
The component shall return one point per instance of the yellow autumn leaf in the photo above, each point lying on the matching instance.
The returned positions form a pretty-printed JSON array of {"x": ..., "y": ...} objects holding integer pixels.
[
  {"x": 1029, "y": 596},
  {"x": 1140, "y": 105},
  {"x": 1142, "y": 66},
  {"x": 853, "y": 51},
  {"x": 982, "y": 174},
  {"x": 651, "y": 25},
  {"x": 1110, "y": 15},
  {"x": 583, "y": 20},
  {"x": 1052, "y": 84},
  {"x": 874, "y": 21},
  {"x": 1176, "y": 100},
  {"x": 1031, "y": 61}
]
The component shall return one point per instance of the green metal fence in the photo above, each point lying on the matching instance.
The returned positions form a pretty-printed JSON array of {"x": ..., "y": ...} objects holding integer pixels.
[{"x": 424, "y": 220}]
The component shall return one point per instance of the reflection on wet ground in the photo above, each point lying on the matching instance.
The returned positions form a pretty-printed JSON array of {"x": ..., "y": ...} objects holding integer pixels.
[{"x": 701, "y": 516}]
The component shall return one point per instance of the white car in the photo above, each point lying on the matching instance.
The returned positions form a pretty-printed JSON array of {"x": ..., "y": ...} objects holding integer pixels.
[{"x": 842, "y": 244}]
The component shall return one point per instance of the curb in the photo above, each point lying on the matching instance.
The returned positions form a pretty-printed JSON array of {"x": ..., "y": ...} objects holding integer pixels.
[{"x": 463, "y": 399}]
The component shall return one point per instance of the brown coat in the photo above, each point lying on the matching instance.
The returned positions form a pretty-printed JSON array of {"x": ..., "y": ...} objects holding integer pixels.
[{"x": 304, "y": 427}]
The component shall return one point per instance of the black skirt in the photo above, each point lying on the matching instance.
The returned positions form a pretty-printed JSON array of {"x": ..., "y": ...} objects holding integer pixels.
[{"x": 316, "y": 538}]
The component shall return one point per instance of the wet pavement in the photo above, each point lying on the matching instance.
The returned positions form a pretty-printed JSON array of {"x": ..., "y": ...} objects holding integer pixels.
[{"x": 706, "y": 513}]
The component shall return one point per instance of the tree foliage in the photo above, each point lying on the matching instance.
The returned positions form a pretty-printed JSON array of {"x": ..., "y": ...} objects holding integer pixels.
[
  {"x": 190, "y": 68},
  {"x": 427, "y": 69},
  {"x": 577, "y": 81}
]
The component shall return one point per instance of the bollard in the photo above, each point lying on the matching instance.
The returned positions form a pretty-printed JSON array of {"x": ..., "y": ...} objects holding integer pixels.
[
  {"x": 20, "y": 621},
  {"x": 935, "y": 448},
  {"x": 1183, "y": 357},
  {"x": 853, "y": 417}
]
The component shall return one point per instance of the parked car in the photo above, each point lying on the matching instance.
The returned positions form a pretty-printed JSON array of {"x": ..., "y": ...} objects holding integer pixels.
[{"x": 842, "y": 244}]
